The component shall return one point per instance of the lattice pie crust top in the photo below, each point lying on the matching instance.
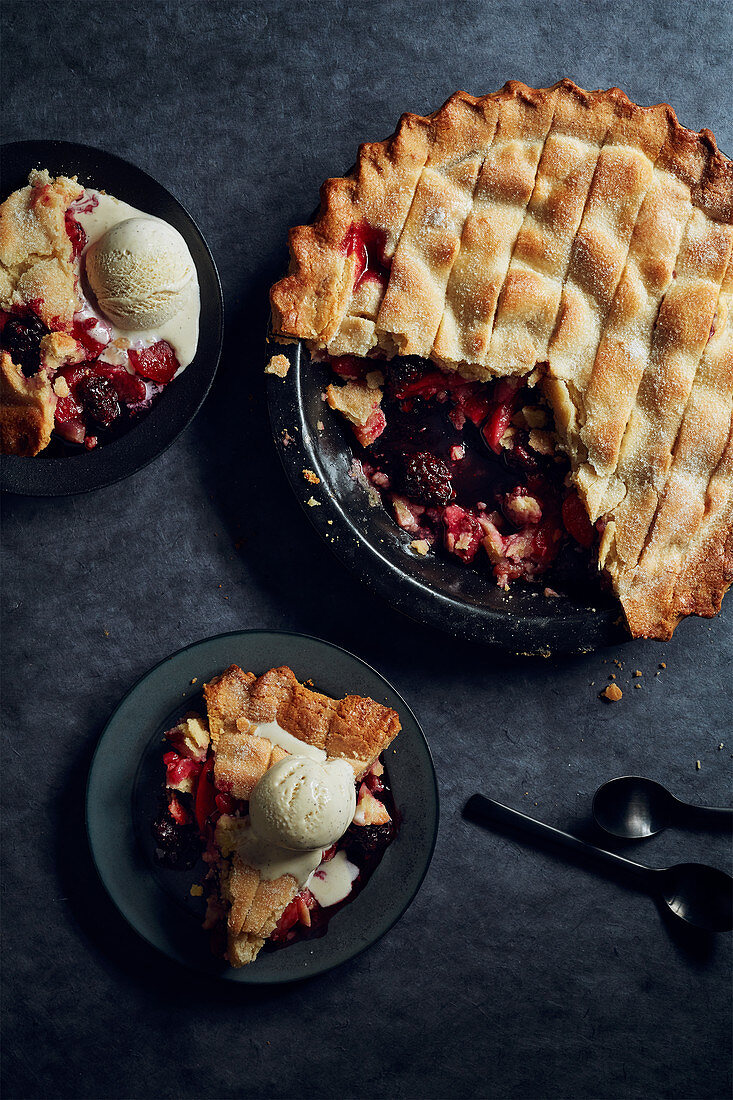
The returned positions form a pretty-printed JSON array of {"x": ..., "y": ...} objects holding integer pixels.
[{"x": 577, "y": 231}]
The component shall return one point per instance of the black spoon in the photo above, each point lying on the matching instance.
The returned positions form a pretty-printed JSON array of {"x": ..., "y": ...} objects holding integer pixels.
[
  {"x": 696, "y": 893},
  {"x": 633, "y": 807}
]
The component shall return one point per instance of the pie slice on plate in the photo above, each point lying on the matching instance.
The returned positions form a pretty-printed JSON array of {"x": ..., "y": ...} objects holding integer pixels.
[
  {"x": 257, "y": 727},
  {"x": 576, "y": 242}
]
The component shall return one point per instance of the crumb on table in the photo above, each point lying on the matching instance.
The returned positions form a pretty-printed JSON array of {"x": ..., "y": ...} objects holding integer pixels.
[{"x": 613, "y": 693}]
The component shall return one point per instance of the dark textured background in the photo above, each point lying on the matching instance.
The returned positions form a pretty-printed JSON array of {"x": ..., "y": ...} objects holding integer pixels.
[{"x": 513, "y": 974}]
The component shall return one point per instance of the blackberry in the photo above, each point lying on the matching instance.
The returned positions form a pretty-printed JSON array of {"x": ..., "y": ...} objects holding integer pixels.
[
  {"x": 176, "y": 846},
  {"x": 21, "y": 338},
  {"x": 99, "y": 398},
  {"x": 364, "y": 842},
  {"x": 427, "y": 480},
  {"x": 401, "y": 372}
]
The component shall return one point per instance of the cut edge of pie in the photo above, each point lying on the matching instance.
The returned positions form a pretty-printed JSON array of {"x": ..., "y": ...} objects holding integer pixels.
[
  {"x": 580, "y": 234},
  {"x": 355, "y": 729}
]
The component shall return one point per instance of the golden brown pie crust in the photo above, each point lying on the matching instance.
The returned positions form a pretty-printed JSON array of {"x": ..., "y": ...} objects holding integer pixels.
[
  {"x": 36, "y": 272},
  {"x": 577, "y": 231}
]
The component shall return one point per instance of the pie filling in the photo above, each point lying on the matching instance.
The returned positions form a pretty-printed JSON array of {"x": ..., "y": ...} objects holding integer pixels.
[
  {"x": 469, "y": 469},
  {"x": 185, "y": 831},
  {"x": 85, "y": 377}
]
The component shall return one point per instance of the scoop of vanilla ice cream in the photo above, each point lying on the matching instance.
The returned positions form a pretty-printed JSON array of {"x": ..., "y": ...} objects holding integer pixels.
[
  {"x": 303, "y": 804},
  {"x": 139, "y": 270}
]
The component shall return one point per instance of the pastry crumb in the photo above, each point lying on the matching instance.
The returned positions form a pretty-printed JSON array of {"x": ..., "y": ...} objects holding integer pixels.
[
  {"x": 311, "y": 477},
  {"x": 613, "y": 693},
  {"x": 374, "y": 379},
  {"x": 698, "y": 765},
  {"x": 195, "y": 680},
  {"x": 279, "y": 365},
  {"x": 551, "y": 592},
  {"x": 420, "y": 546},
  {"x": 197, "y": 891},
  {"x": 320, "y": 426},
  {"x": 662, "y": 664},
  {"x": 313, "y": 503},
  {"x": 637, "y": 673}
]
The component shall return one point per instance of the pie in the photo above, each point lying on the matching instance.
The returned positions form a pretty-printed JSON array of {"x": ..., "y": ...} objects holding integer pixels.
[
  {"x": 567, "y": 241},
  {"x": 212, "y": 768},
  {"x": 66, "y": 370}
]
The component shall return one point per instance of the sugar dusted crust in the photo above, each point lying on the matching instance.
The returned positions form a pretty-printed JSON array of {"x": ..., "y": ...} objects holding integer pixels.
[
  {"x": 36, "y": 273},
  {"x": 27, "y": 407},
  {"x": 354, "y": 728},
  {"x": 577, "y": 231},
  {"x": 36, "y": 260}
]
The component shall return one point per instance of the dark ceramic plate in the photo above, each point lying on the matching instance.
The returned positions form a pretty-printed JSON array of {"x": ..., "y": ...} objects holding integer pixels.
[
  {"x": 181, "y": 400},
  {"x": 122, "y": 797},
  {"x": 432, "y": 590}
]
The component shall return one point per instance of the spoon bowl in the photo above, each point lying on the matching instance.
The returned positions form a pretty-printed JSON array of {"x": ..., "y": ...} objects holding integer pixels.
[
  {"x": 633, "y": 807},
  {"x": 698, "y": 894}
]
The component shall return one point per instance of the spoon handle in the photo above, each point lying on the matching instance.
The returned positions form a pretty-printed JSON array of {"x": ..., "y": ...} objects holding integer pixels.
[
  {"x": 704, "y": 817},
  {"x": 485, "y": 811}
]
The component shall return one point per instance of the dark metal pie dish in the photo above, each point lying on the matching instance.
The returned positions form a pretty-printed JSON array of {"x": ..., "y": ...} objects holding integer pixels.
[{"x": 433, "y": 590}]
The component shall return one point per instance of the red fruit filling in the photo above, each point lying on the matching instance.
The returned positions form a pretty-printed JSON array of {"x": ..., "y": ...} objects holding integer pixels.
[
  {"x": 367, "y": 245},
  {"x": 180, "y": 768},
  {"x": 205, "y": 801},
  {"x": 87, "y": 332},
  {"x": 576, "y": 520},
  {"x": 76, "y": 235},
  {"x": 177, "y": 812},
  {"x": 375, "y": 425},
  {"x": 463, "y": 532},
  {"x": 471, "y": 466},
  {"x": 158, "y": 362}
]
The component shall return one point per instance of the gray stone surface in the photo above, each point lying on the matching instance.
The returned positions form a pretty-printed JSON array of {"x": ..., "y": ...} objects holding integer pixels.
[{"x": 513, "y": 974}]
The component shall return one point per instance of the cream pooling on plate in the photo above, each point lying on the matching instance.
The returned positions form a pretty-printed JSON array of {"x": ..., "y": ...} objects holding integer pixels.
[{"x": 140, "y": 268}]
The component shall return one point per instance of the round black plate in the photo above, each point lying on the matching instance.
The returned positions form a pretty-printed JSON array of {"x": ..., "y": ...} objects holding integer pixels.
[
  {"x": 179, "y": 403},
  {"x": 432, "y": 589},
  {"x": 121, "y": 803}
]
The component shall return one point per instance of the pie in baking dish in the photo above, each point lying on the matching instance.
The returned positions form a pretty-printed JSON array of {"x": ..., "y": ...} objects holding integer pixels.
[
  {"x": 569, "y": 242},
  {"x": 306, "y": 763}
]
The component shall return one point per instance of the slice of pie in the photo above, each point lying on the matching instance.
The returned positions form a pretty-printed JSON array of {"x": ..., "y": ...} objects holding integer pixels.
[
  {"x": 213, "y": 768},
  {"x": 578, "y": 242}
]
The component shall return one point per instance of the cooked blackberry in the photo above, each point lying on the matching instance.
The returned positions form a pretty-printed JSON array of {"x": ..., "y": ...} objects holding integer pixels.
[
  {"x": 427, "y": 480},
  {"x": 21, "y": 338},
  {"x": 99, "y": 398}
]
